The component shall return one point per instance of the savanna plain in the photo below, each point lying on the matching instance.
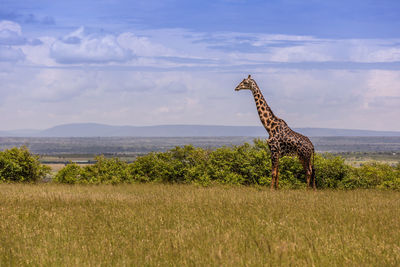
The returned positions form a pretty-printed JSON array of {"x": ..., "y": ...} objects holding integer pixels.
[{"x": 167, "y": 224}]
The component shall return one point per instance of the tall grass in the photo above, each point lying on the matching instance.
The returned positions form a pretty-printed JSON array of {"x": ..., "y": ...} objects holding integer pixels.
[{"x": 149, "y": 224}]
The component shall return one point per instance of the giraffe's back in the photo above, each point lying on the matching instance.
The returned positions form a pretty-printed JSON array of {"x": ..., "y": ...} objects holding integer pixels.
[{"x": 294, "y": 143}]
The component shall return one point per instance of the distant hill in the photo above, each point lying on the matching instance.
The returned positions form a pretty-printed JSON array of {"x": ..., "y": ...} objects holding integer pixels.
[
  {"x": 22, "y": 133},
  {"x": 102, "y": 130}
]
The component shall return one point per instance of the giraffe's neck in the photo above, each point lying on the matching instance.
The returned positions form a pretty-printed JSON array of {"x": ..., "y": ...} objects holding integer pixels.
[{"x": 267, "y": 117}]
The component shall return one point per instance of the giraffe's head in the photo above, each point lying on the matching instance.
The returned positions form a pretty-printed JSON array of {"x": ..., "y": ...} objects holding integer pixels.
[{"x": 246, "y": 84}]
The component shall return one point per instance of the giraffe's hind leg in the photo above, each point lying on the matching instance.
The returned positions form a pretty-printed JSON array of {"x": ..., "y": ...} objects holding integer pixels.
[
  {"x": 313, "y": 177},
  {"x": 306, "y": 162},
  {"x": 275, "y": 172}
]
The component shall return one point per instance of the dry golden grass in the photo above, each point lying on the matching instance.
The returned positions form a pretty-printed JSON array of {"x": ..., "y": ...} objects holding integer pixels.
[{"x": 188, "y": 225}]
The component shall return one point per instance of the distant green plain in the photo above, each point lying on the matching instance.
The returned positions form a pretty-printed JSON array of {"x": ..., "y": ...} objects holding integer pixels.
[{"x": 157, "y": 224}]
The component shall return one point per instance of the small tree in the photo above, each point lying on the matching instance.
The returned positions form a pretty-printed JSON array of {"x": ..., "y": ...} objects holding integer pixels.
[
  {"x": 330, "y": 170},
  {"x": 105, "y": 171},
  {"x": 19, "y": 165},
  {"x": 372, "y": 175},
  {"x": 70, "y": 174}
]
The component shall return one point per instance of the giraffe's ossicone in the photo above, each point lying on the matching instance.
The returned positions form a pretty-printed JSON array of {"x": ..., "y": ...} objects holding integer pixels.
[{"x": 282, "y": 140}]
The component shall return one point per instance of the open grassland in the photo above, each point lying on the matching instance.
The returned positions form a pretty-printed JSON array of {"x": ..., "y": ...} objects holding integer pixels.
[{"x": 187, "y": 225}]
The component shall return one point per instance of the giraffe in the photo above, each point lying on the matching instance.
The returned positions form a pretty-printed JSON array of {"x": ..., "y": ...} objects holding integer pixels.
[{"x": 282, "y": 140}]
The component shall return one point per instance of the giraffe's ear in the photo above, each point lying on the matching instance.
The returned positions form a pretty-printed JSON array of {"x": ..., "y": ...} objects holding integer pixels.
[{"x": 249, "y": 76}]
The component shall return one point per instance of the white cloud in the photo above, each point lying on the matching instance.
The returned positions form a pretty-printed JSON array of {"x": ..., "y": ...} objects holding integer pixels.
[
  {"x": 383, "y": 90},
  {"x": 294, "y": 49},
  {"x": 79, "y": 48},
  {"x": 313, "y": 98},
  {"x": 11, "y": 54},
  {"x": 303, "y": 53},
  {"x": 82, "y": 47},
  {"x": 388, "y": 54},
  {"x": 39, "y": 55},
  {"x": 10, "y": 33},
  {"x": 370, "y": 50},
  {"x": 276, "y": 38},
  {"x": 57, "y": 85},
  {"x": 142, "y": 46},
  {"x": 10, "y": 27},
  {"x": 169, "y": 48},
  {"x": 174, "y": 76}
]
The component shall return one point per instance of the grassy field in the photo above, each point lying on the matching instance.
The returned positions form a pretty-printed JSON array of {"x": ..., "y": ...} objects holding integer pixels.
[{"x": 187, "y": 225}]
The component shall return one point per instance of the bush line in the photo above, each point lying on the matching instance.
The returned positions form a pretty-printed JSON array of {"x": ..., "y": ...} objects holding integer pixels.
[{"x": 239, "y": 165}]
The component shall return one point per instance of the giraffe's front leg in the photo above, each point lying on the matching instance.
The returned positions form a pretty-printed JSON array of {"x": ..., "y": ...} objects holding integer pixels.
[
  {"x": 275, "y": 173},
  {"x": 274, "y": 148}
]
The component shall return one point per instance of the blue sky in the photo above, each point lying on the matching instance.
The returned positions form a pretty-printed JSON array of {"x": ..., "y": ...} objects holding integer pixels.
[{"x": 332, "y": 64}]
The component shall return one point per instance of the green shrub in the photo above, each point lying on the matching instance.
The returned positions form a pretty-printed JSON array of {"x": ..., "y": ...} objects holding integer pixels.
[
  {"x": 179, "y": 165},
  {"x": 155, "y": 167},
  {"x": 330, "y": 170},
  {"x": 391, "y": 184},
  {"x": 291, "y": 173},
  {"x": 195, "y": 164},
  {"x": 242, "y": 165},
  {"x": 371, "y": 175},
  {"x": 70, "y": 174},
  {"x": 105, "y": 171},
  {"x": 19, "y": 165},
  {"x": 223, "y": 166},
  {"x": 143, "y": 168}
]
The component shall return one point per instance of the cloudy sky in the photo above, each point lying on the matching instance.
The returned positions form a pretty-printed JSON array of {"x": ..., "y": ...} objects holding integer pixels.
[{"x": 330, "y": 63}]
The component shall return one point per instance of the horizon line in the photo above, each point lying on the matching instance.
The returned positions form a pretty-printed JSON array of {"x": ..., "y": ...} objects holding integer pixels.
[{"x": 198, "y": 125}]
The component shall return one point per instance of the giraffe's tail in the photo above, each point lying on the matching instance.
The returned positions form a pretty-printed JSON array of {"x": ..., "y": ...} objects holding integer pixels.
[{"x": 313, "y": 172}]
